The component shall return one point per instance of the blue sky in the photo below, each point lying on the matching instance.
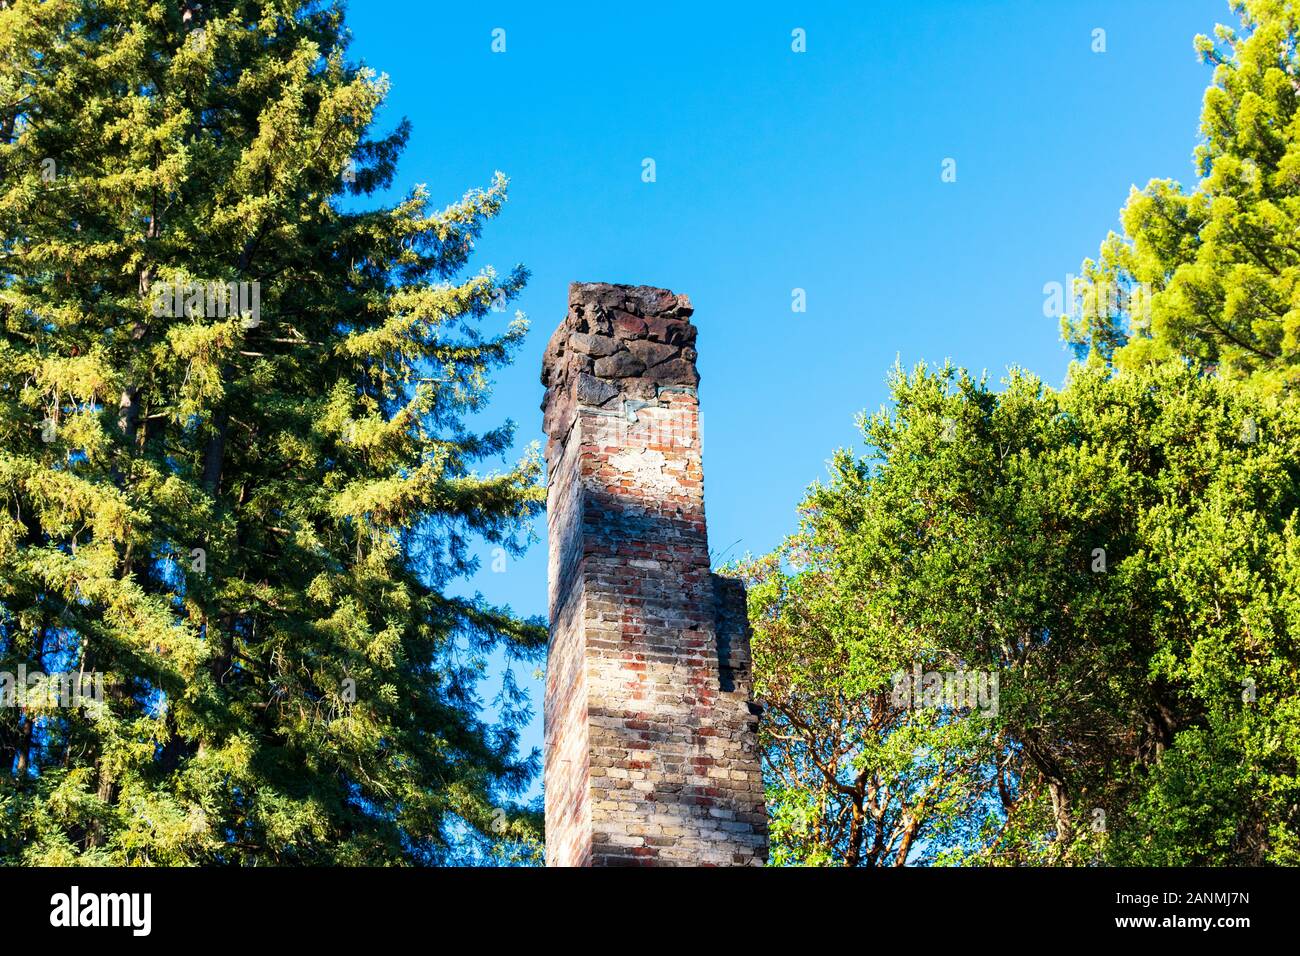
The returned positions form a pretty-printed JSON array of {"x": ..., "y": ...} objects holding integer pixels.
[{"x": 779, "y": 170}]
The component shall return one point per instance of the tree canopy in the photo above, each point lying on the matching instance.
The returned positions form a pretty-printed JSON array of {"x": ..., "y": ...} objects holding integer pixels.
[
  {"x": 236, "y": 476},
  {"x": 1120, "y": 555},
  {"x": 1213, "y": 274}
]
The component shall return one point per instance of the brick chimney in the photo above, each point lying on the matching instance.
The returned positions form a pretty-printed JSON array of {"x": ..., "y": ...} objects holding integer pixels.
[{"x": 650, "y": 730}]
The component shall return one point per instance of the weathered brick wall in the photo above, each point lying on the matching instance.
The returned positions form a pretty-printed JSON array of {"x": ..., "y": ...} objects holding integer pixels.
[{"x": 650, "y": 733}]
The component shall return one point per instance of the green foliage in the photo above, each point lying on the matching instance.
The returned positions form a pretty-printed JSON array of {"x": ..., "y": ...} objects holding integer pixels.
[
  {"x": 301, "y": 689},
  {"x": 853, "y": 775},
  {"x": 1214, "y": 274},
  {"x": 1123, "y": 555}
]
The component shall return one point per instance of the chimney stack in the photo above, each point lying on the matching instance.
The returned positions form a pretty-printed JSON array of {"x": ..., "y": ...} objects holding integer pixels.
[{"x": 651, "y": 754}]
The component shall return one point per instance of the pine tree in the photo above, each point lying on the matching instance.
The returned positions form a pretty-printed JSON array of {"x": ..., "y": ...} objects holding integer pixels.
[
  {"x": 236, "y": 474},
  {"x": 1214, "y": 274}
]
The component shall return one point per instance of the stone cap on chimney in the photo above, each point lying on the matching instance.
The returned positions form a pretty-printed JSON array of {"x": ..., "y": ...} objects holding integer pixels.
[{"x": 617, "y": 342}]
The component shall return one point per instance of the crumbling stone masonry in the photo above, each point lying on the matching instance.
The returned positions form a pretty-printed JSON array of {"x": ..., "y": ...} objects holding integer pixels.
[{"x": 650, "y": 731}]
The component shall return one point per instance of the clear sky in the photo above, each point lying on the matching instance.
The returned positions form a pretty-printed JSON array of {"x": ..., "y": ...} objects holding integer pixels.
[{"x": 778, "y": 170}]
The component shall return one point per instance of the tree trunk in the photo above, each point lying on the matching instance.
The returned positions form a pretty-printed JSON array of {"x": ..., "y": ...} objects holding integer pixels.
[
  {"x": 912, "y": 826},
  {"x": 856, "y": 832}
]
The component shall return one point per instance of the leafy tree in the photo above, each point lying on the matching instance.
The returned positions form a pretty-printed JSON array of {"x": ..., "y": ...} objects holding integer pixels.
[
  {"x": 856, "y": 775},
  {"x": 1214, "y": 274},
  {"x": 1123, "y": 554},
  {"x": 244, "y": 514}
]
